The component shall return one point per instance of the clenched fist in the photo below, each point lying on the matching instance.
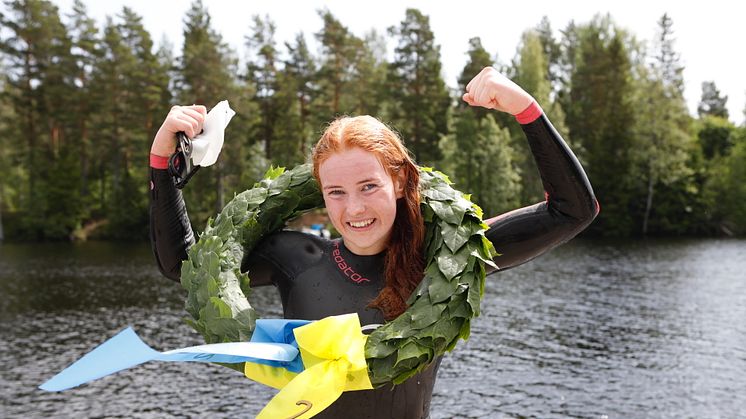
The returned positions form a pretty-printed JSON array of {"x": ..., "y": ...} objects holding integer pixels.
[
  {"x": 492, "y": 90},
  {"x": 181, "y": 118}
]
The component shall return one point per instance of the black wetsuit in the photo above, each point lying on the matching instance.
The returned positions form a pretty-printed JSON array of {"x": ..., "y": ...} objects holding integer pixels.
[{"x": 318, "y": 277}]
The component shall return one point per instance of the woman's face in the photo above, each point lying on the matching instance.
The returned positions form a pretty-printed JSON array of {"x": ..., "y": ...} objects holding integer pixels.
[{"x": 360, "y": 198}]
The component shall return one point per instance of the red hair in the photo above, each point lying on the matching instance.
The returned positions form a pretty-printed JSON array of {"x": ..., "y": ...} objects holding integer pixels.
[{"x": 404, "y": 261}]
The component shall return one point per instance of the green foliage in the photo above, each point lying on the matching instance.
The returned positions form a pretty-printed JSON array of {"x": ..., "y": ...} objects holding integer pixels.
[
  {"x": 712, "y": 103},
  {"x": 417, "y": 92},
  {"x": 715, "y": 135},
  {"x": 724, "y": 187},
  {"x": 600, "y": 116},
  {"x": 734, "y": 182},
  {"x": 479, "y": 156},
  {"x": 88, "y": 100},
  {"x": 661, "y": 157},
  {"x": 339, "y": 53}
]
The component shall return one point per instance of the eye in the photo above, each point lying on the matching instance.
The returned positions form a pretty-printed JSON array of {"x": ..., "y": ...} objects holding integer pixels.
[
  {"x": 369, "y": 187},
  {"x": 336, "y": 192}
]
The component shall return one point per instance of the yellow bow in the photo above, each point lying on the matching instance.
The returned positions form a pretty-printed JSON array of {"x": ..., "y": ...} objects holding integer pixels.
[{"x": 333, "y": 355}]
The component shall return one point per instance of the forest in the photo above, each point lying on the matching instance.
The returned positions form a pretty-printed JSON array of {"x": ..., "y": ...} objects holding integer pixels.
[{"x": 80, "y": 105}]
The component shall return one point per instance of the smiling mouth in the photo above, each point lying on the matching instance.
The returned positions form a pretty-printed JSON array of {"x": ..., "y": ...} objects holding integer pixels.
[{"x": 361, "y": 224}]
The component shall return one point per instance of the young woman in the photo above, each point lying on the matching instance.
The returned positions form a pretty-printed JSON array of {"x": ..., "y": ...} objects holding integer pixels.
[{"x": 370, "y": 188}]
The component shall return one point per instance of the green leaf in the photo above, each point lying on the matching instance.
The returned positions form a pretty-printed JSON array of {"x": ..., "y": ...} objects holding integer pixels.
[
  {"x": 456, "y": 236},
  {"x": 474, "y": 298},
  {"x": 426, "y": 314},
  {"x": 452, "y": 264},
  {"x": 280, "y": 184},
  {"x": 253, "y": 197},
  {"x": 409, "y": 351},
  {"x": 441, "y": 192},
  {"x": 457, "y": 307},
  {"x": 440, "y": 288},
  {"x": 301, "y": 174},
  {"x": 465, "y": 329},
  {"x": 274, "y": 172},
  {"x": 377, "y": 348},
  {"x": 452, "y": 213}
]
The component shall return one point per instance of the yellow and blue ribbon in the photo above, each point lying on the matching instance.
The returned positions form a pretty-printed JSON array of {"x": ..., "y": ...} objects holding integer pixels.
[
  {"x": 333, "y": 353},
  {"x": 311, "y": 362}
]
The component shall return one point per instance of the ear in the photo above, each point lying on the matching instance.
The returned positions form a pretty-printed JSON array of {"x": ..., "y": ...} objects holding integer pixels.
[{"x": 399, "y": 182}]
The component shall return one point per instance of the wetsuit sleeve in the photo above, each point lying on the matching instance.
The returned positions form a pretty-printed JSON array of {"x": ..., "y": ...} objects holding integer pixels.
[
  {"x": 171, "y": 233},
  {"x": 570, "y": 205}
]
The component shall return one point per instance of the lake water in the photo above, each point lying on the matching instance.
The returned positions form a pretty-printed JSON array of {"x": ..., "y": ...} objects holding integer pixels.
[{"x": 595, "y": 329}]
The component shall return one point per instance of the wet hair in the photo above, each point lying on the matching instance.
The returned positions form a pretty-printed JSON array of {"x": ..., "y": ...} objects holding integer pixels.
[{"x": 403, "y": 260}]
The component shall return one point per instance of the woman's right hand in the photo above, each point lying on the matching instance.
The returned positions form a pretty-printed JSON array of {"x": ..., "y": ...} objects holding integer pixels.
[
  {"x": 492, "y": 90},
  {"x": 181, "y": 118}
]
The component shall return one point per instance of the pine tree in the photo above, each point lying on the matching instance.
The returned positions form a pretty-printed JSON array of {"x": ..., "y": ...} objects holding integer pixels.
[
  {"x": 262, "y": 74},
  {"x": 39, "y": 89},
  {"x": 368, "y": 78},
  {"x": 552, "y": 52},
  {"x": 567, "y": 63},
  {"x": 11, "y": 154},
  {"x": 667, "y": 61},
  {"x": 300, "y": 75},
  {"x": 208, "y": 69},
  {"x": 338, "y": 55},
  {"x": 86, "y": 53},
  {"x": 712, "y": 103},
  {"x": 129, "y": 86},
  {"x": 418, "y": 93}
]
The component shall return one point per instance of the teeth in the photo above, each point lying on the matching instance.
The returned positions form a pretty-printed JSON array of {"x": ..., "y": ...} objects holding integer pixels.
[{"x": 361, "y": 224}]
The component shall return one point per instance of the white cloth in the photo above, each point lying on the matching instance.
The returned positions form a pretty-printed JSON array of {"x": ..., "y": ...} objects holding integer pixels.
[{"x": 207, "y": 145}]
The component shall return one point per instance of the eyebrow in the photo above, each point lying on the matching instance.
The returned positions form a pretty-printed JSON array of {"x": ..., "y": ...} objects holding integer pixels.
[{"x": 367, "y": 180}]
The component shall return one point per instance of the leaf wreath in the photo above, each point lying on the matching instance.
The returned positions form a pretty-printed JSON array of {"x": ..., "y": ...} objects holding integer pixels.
[{"x": 439, "y": 310}]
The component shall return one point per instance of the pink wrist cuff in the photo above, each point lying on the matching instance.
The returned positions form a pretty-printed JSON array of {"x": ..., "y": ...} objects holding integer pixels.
[
  {"x": 530, "y": 114},
  {"x": 158, "y": 162}
]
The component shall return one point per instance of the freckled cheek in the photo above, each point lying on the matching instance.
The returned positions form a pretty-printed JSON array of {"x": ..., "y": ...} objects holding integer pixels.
[{"x": 333, "y": 209}]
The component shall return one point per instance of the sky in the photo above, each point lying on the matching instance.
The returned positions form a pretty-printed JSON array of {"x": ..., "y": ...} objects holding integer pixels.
[{"x": 708, "y": 34}]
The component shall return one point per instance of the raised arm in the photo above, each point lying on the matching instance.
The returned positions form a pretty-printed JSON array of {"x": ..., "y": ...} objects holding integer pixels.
[
  {"x": 570, "y": 205},
  {"x": 170, "y": 231}
]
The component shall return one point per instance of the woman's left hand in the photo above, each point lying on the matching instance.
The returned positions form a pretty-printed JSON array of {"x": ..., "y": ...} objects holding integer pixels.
[{"x": 492, "y": 90}]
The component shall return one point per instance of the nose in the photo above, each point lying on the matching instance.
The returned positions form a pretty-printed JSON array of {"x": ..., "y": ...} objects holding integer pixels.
[{"x": 355, "y": 206}]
